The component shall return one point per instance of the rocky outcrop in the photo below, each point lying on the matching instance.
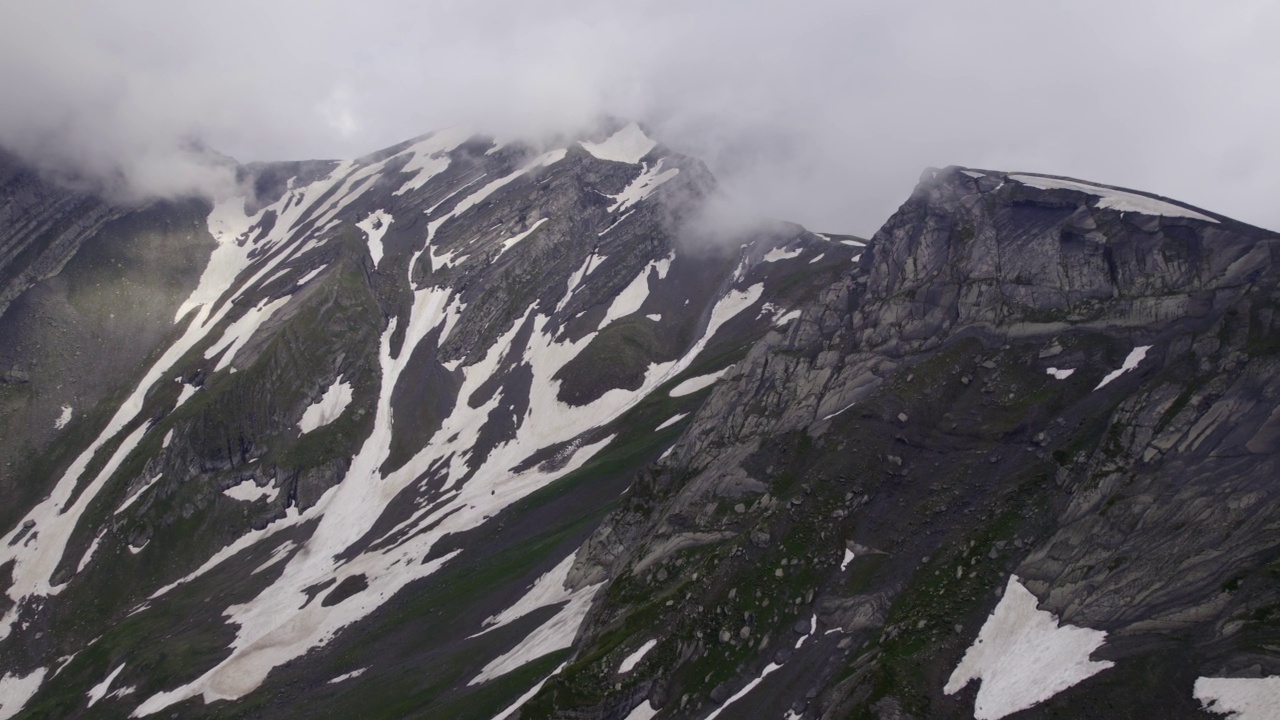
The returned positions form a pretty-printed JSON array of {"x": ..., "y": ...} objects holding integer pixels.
[{"x": 913, "y": 400}]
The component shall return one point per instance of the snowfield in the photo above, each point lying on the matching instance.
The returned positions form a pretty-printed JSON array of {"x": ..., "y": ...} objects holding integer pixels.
[
  {"x": 1112, "y": 198},
  {"x": 1022, "y": 656}
]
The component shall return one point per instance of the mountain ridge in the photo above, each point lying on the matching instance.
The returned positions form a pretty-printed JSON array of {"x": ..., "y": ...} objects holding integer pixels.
[{"x": 542, "y": 371}]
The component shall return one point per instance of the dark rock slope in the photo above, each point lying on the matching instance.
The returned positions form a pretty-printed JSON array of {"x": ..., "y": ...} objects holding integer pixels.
[{"x": 845, "y": 511}]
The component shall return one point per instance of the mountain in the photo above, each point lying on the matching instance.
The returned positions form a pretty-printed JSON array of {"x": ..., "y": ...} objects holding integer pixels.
[{"x": 480, "y": 429}]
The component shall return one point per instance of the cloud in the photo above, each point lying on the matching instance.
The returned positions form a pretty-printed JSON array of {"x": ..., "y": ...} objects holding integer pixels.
[{"x": 820, "y": 112}]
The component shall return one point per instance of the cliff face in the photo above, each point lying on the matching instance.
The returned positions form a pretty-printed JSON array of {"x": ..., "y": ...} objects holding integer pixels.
[{"x": 946, "y": 417}]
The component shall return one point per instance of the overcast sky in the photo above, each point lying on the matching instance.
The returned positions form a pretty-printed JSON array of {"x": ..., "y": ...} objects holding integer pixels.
[{"x": 820, "y": 112}]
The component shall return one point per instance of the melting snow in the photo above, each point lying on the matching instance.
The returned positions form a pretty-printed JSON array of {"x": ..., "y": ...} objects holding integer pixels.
[
  {"x": 280, "y": 553},
  {"x": 777, "y": 254},
  {"x": 1240, "y": 698},
  {"x": 311, "y": 276},
  {"x": 429, "y": 159},
  {"x": 16, "y": 690},
  {"x": 769, "y": 669},
  {"x": 328, "y": 408},
  {"x": 63, "y": 419},
  {"x": 1135, "y": 356},
  {"x": 643, "y": 711},
  {"x": 184, "y": 395},
  {"x": 694, "y": 384},
  {"x": 146, "y": 486},
  {"x": 671, "y": 421},
  {"x": 1113, "y": 199},
  {"x": 1023, "y": 656},
  {"x": 555, "y": 634},
  {"x": 627, "y": 145},
  {"x": 348, "y": 676},
  {"x": 547, "y": 590},
  {"x": 848, "y": 558},
  {"x": 374, "y": 227},
  {"x": 248, "y": 491},
  {"x": 88, "y": 553},
  {"x": 642, "y": 187},
  {"x": 520, "y": 701},
  {"x": 1060, "y": 373},
  {"x": 99, "y": 691},
  {"x": 786, "y": 318},
  {"x": 630, "y": 662},
  {"x": 633, "y": 295},
  {"x": 240, "y": 331},
  {"x": 813, "y": 626},
  {"x": 509, "y": 243}
]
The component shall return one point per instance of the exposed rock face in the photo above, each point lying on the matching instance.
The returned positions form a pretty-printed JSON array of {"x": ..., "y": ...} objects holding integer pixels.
[
  {"x": 910, "y": 409},
  {"x": 572, "y": 430}
]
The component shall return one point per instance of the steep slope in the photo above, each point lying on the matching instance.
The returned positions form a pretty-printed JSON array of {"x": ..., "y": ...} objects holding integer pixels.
[
  {"x": 398, "y": 391},
  {"x": 1030, "y": 440}
]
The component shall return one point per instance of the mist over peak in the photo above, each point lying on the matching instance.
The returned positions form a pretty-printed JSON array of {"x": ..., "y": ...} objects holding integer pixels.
[{"x": 823, "y": 114}]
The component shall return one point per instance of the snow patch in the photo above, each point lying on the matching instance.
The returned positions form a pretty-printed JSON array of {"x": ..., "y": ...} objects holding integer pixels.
[
  {"x": 848, "y": 558},
  {"x": 627, "y": 145},
  {"x": 555, "y": 634},
  {"x": 694, "y": 384},
  {"x": 630, "y": 662},
  {"x": 671, "y": 421},
  {"x": 768, "y": 670},
  {"x": 1060, "y": 373},
  {"x": 642, "y": 187},
  {"x": 88, "y": 553},
  {"x": 972, "y": 174},
  {"x": 1240, "y": 698},
  {"x": 240, "y": 331},
  {"x": 17, "y": 690},
  {"x": 820, "y": 256},
  {"x": 146, "y": 486},
  {"x": 374, "y": 227},
  {"x": 328, "y": 408},
  {"x": 99, "y": 691},
  {"x": 1112, "y": 198},
  {"x": 777, "y": 254},
  {"x": 348, "y": 676},
  {"x": 63, "y": 419},
  {"x": 510, "y": 242},
  {"x": 311, "y": 275},
  {"x": 184, "y": 395},
  {"x": 643, "y": 711},
  {"x": 634, "y": 294},
  {"x": 786, "y": 318},
  {"x": 1023, "y": 656},
  {"x": 248, "y": 491},
  {"x": 520, "y": 701},
  {"x": 1135, "y": 356},
  {"x": 547, "y": 590},
  {"x": 429, "y": 157}
]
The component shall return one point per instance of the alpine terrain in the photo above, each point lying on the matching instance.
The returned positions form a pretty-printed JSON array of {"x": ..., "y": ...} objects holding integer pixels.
[{"x": 474, "y": 428}]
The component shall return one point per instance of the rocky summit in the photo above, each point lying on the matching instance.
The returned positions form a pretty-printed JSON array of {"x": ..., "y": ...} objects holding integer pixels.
[{"x": 477, "y": 429}]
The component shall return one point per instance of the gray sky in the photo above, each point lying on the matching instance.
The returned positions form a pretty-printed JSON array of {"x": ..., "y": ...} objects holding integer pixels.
[{"x": 819, "y": 112}]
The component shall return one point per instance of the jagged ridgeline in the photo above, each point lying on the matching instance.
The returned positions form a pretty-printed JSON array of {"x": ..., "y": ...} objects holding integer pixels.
[{"x": 476, "y": 429}]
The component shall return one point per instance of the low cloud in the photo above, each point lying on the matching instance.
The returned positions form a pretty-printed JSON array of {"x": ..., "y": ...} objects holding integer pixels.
[{"x": 821, "y": 112}]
